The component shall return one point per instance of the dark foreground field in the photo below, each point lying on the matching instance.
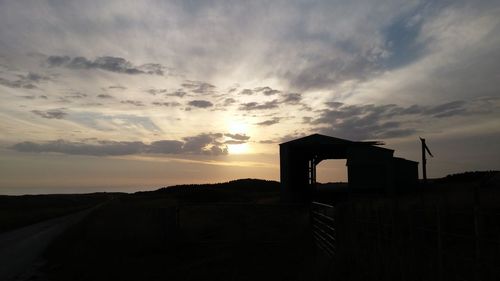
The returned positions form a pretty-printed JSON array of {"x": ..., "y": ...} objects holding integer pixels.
[
  {"x": 19, "y": 211},
  {"x": 187, "y": 233},
  {"x": 446, "y": 230}
]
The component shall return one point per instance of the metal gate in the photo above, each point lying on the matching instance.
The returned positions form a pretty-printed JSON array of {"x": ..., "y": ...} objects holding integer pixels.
[{"x": 323, "y": 227}]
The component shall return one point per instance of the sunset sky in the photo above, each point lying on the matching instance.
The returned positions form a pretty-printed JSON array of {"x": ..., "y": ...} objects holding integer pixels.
[{"x": 135, "y": 95}]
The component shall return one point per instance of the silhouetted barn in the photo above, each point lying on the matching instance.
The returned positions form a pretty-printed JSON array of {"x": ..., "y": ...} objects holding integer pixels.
[{"x": 368, "y": 165}]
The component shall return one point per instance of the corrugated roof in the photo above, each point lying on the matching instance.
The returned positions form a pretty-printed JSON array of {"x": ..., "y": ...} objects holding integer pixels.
[{"x": 318, "y": 139}]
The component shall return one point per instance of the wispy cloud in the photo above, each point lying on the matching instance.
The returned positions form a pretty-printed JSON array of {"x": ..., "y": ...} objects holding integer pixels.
[
  {"x": 200, "y": 103},
  {"x": 50, "y": 114},
  {"x": 108, "y": 63},
  {"x": 27, "y": 81},
  {"x": 202, "y": 144},
  {"x": 259, "y": 106},
  {"x": 274, "y": 120}
]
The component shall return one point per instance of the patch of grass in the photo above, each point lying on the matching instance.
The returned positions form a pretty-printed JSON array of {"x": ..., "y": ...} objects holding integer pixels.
[{"x": 19, "y": 211}]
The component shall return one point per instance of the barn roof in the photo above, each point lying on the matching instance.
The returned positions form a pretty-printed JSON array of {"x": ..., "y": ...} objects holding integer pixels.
[
  {"x": 331, "y": 147},
  {"x": 316, "y": 139}
]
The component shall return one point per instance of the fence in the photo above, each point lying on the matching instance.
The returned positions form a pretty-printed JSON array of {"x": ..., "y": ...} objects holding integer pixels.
[
  {"x": 411, "y": 239},
  {"x": 323, "y": 227}
]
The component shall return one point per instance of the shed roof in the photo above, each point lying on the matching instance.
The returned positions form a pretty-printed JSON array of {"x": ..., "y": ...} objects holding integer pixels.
[
  {"x": 318, "y": 139},
  {"x": 327, "y": 147}
]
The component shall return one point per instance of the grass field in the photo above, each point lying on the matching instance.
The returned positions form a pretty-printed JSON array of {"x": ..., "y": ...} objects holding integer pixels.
[
  {"x": 188, "y": 233},
  {"x": 19, "y": 211}
]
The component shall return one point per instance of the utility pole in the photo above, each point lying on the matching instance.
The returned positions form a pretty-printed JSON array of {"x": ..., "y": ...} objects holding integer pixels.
[{"x": 424, "y": 159}]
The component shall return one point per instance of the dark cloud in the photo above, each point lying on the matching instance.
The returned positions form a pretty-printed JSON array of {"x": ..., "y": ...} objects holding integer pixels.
[
  {"x": 104, "y": 96},
  {"x": 360, "y": 122},
  {"x": 267, "y": 91},
  {"x": 292, "y": 98},
  {"x": 103, "y": 148},
  {"x": 155, "y": 92},
  {"x": 200, "y": 103},
  {"x": 166, "y": 147},
  {"x": 199, "y": 87},
  {"x": 234, "y": 142},
  {"x": 325, "y": 73},
  {"x": 203, "y": 144},
  {"x": 35, "y": 77},
  {"x": 153, "y": 68},
  {"x": 241, "y": 137},
  {"x": 177, "y": 93},
  {"x": 207, "y": 143},
  {"x": 390, "y": 120},
  {"x": 247, "y": 92},
  {"x": 228, "y": 102},
  {"x": 269, "y": 122},
  {"x": 24, "y": 81},
  {"x": 108, "y": 63},
  {"x": 50, "y": 114},
  {"x": 334, "y": 104},
  {"x": 171, "y": 104},
  {"x": 117, "y": 87},
  {"x": 76, "y": 95},
  {"x": 259, "y": 106},
  {"x": 289, "y": 137},
  {"x": 267, "y": 141},
  {"x": 447, "y": 109},
  {"x": 133, "y": 102}
]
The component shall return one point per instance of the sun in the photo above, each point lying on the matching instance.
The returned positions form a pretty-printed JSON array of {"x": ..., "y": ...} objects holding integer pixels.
[
  {"x": 238, "y": 127},
  {"x": 238, "y": 148}
]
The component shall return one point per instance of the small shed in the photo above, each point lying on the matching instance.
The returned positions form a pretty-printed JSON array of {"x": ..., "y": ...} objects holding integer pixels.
[{"x": 369, "y": 166}]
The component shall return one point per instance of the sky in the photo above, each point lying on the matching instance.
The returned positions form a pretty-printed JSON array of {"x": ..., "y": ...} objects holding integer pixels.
[{"x": 136, "y": 95}]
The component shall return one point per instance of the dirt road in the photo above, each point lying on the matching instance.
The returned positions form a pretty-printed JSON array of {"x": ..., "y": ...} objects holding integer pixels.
[{"x": 21, "y": 249}]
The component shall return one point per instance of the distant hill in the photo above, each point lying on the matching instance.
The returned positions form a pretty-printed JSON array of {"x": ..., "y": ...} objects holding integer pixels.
[
  {"x": 257, "y": 185},
  {"x": 242, "y": 190},
  {"x": 468, "y": 177}
]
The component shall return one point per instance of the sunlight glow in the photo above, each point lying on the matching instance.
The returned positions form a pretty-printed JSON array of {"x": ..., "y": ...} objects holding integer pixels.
[
  {"x": 238, "y": 148},
  {"x": 238, "y": 127}
]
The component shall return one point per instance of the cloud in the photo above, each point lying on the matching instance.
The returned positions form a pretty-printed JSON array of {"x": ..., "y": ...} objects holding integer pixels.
[
  {"x": 133, "y": 102},
  {"x": 171, "y": 104},
  {"x": 50, "y": 114},
  {"x": 76, "y": 95},
  {"x": 326, "y": 73},
  {"x": 104, "y": 96},
  {"x": 259, "y": 106},
  {"x": 206, "y": 143},
  {"x": 267, "y": 141},
  {"x": 107, "y": 63},
  {"x": 199, "y": 87},
  {"x": 202, "y": 144},
  {"x": 292, "y": 98},
  {"x": 241, "y": 137},
  {"x": 267, "y": 91},
  {"x": 247, "y": 92},
  {"x": 24, "y": 81},
  {"x": 102, "y": 148},
  {"x": 228, "y": 102},
  {"x": 389, "y": 121},
  {"x": 234, "y": 142},
  {"x": 177, "y": 93},
  {"x": 156, "y": 91},
  {"x": 117, "y": 87},
  {"x": 274, "y": 120},
  {"x": 165, "y": 147},
  {"x": 200, "y": 103}
]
